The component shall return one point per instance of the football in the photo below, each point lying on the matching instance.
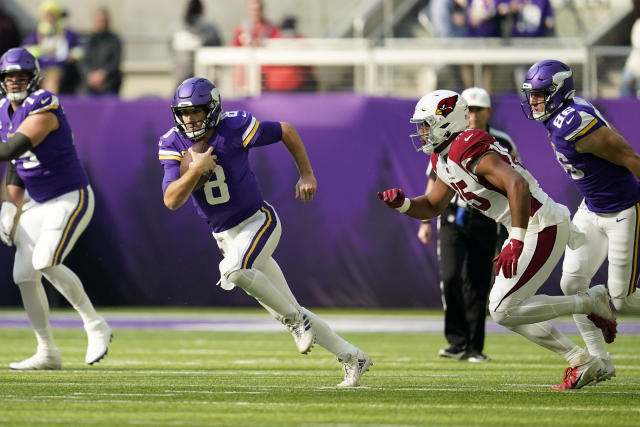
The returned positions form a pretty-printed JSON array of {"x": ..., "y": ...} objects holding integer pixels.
[{"x": 184, "y": 166}]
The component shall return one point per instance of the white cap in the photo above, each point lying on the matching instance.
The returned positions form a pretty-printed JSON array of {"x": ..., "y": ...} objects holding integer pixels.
[{"x": 477, "y": 97}]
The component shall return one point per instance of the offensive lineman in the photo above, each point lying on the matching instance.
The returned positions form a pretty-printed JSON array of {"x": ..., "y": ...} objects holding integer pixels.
[
  {"x": 605, "y": 169},
  {"x": 469, "y": 162},
  {"x": 246, "y": 228},
  {"x": 48, "y": 185}
]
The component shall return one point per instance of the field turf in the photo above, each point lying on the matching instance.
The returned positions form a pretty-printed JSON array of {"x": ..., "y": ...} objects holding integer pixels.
[{"x": 160, "y": 377}]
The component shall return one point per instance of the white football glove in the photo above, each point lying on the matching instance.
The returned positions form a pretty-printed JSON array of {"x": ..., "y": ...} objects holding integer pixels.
[{"x": 8, "y": 213}]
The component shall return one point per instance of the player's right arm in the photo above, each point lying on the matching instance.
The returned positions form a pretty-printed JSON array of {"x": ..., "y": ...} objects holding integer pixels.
[
  {"x": 424, "y": 231},
  {"x": 423, "y": 207},
  {"x": 179, "y": 190},
  {"x": 610, "y": 145}
]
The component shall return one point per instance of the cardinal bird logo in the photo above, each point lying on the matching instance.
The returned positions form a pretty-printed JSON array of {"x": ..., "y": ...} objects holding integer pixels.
[{"x": 446, "y": 106}]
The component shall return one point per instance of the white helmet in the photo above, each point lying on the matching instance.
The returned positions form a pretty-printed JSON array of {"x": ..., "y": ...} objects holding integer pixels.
[{"x": 446, "y": 113}]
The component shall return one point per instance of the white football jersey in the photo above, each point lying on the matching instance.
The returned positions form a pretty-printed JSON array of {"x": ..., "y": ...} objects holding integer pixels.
[{"x": 456, "y": 165}]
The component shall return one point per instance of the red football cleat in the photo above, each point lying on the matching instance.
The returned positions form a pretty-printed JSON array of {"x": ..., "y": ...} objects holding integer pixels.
[{"x": 576, "y": 377}]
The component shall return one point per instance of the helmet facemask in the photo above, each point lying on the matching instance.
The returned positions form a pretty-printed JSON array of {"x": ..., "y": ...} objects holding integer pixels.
[{"x": 207, "y": 123}]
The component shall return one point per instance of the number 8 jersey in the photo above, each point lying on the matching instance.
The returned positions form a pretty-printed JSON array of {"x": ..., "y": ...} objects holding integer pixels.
[
  {"x": 455, "y": 166},
  {"x": 232, "y": 193}
]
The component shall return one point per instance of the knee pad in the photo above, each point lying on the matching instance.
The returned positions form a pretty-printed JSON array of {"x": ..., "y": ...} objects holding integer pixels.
[
  {"x": 572, "y": 284},
  {"x": 23, "y": 271},
  {"x": 242, "y": 278}
]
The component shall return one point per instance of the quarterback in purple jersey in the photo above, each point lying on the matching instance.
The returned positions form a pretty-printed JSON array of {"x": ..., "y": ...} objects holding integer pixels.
[
  {"x": 605, "y": 169},
  {"x": 49, "y": 192},
  {"x": 246, "y": 228}
]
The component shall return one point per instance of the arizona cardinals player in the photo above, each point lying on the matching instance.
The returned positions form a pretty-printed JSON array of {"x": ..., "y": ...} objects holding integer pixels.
[
  {"x": 246, "y": 228},
  {"x": 605, "y": 170},
  {"x": 470, "y": 163},
  {"x": 55, "y": 208}
]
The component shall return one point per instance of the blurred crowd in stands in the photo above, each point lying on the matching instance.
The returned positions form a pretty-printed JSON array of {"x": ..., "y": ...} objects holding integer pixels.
[{"x": 90, "y": 63}]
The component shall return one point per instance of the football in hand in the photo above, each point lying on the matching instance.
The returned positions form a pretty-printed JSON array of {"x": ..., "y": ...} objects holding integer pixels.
[{"x": 184, "y": 167}]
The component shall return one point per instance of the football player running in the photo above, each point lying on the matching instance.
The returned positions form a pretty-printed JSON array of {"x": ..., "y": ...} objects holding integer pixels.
[
  {"x": 469, "y": 162},
  {"x": 246, "y": 228},
  {"x": 48, "y": 190},
  {"x": 605, "y": 169}
]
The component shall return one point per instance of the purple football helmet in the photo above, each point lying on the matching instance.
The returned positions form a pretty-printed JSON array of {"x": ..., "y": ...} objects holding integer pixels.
[
  {"x": 552, "y": 78},
  {"x": 19, "y": 59},
  {"x": 197, "y": 92}
]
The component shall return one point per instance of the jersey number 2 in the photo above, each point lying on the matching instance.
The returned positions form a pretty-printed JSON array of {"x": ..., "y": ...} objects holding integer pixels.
[{"x": 219, "y": 183}]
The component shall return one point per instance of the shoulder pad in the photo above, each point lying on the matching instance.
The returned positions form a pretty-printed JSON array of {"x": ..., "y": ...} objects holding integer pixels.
[
  {"x": 41, "y": 100},
  {"x": 237, "y": 120}
]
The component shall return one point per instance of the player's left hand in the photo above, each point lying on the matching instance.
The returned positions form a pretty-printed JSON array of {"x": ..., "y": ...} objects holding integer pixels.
[
  {"x": 8, "y": 213},
  {"x": 507, "y": 260},
  {"x": 306, "y": 188}
]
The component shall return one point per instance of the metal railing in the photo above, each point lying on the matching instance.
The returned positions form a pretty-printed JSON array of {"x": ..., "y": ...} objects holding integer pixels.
[{"x": 395, "y": 67}]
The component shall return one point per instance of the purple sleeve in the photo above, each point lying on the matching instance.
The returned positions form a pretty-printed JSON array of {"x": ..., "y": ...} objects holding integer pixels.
[
  {"x": 268, "y": 133},
  {"x": 171, "y": 173},
  {"x": 72, "y": 38}
]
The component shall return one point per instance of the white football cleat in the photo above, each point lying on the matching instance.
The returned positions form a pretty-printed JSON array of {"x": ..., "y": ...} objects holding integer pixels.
[
  {"x": 610, "y": 369},
  {"x": 302, "y": 331},
  {"x": 354, "y": 366},
  {"x": 99, "y": 335},
  {"x": 44, "y": 359},
  {"x": 579, "y": 376},
  {"x": 602, "y": 316}
]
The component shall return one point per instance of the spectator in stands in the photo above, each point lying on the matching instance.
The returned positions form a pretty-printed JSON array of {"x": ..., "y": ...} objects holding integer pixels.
[
  {"x": 252, "y": 32},
  {"x": 530, "y": 18},
  {"x": 103, "y": 53},
  {"x": 256, "y": 28},
  {"x": 9, "y": 32},
  {"x": 443, "y": 18},
  {"x": 195, "y": 33},
  {"x": 58, "y": 49},
  {"x": 630, "y": 75},
  {"x": 483, "y": 18}
]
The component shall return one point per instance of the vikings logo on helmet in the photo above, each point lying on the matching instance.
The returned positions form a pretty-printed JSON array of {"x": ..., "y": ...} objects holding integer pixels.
[{"x": 446, "y": 106}]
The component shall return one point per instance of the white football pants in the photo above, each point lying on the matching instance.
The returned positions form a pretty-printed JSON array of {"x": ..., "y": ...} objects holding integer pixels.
[
  {"x": 514, "y": 304},
  {"x": 248, "y": 264},
  {"x": 612, "y": 236}
]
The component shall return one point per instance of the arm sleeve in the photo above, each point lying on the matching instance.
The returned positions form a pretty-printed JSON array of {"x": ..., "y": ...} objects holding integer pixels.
[
  {"x": 15, "y": 147},
  {"x": 12, "y": 176},
  {"x": 268, "y": 133}
]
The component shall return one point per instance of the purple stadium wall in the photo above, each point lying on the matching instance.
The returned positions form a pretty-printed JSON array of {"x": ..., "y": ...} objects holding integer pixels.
[{"x": 343, "y": 249}]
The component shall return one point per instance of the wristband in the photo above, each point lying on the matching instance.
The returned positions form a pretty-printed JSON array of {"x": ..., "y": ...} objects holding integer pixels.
[
  {"x": 518, "y": 233},
  {"x": 405, "y": 206}
]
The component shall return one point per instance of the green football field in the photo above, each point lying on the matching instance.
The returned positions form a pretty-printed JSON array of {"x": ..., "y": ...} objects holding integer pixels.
[{"x": 204, "y": 377}]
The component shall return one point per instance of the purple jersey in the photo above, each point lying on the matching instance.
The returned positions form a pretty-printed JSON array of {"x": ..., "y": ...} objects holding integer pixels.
[
  {"x": 52, "y": 168},
  {"x": 232, "y": 193},
  {"x": 606, "y": 187}
]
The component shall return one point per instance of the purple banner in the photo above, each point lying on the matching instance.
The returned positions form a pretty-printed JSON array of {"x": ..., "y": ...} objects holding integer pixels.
[{"x": 343, "y": 249}]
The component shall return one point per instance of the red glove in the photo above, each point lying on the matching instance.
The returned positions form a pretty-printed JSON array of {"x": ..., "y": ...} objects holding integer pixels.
[
  {"x": 508, "y": 258},
  {"x": 394, "y": 198}
]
